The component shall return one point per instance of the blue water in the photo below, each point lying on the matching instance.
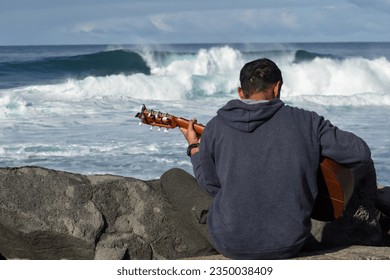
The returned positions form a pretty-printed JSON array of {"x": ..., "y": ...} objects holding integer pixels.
[{"x": 72, "y": 107}]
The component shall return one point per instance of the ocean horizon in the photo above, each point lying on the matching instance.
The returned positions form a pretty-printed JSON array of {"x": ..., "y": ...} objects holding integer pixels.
[{"x": 72, "y": 107}]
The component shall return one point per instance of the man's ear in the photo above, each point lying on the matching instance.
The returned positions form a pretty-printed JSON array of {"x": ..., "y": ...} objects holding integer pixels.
[
  {"x": 277, "y": 89},
  {"x": 241, "y": 93}
]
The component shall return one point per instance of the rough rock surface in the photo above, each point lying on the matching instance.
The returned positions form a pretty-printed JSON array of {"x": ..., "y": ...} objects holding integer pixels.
[
  {"x": 354, "y": 252},
  {"x": 50, "y": 214},
  {"x": 45, "y": 214}
]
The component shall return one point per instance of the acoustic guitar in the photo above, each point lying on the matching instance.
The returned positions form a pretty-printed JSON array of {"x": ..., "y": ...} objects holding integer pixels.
[{"x": 335, "y": 181}]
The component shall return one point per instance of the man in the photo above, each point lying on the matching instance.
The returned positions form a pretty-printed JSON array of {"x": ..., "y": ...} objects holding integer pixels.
[{"x": 259, "y": 159}]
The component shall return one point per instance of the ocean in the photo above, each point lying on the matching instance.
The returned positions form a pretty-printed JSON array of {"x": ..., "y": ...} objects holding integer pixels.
[{"x": 72, "y": 108}]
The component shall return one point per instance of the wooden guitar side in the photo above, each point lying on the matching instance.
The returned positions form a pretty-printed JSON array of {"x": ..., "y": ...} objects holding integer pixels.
[{"x": 335, "y": 188}]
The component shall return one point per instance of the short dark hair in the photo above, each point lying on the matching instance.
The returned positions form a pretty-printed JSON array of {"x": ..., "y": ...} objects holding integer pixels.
[{"x": 259, "y": 75}]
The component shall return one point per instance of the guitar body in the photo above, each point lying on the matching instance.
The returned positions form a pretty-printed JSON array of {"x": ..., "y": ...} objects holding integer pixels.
[
  {"x": 335, "y": 182},
  {"x": 335, "y": 188}
]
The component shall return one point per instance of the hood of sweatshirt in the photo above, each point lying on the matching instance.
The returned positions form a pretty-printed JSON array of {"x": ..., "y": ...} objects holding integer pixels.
[{"x": 247, "y": 117}]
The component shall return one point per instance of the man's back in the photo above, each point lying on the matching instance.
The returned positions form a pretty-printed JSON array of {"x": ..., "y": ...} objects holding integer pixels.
[
  {"x": 260, "y": 159},
  {"x": 261, "y": 162}
]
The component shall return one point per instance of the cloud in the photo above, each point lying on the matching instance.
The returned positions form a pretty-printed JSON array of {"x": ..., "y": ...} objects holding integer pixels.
[
  {"x": 111, "y": 25},
  {"x": 95, "y": 27},
  {"x": 160, "y": 22},
  {"x": 289, "y": 20},
  {"x": 216, "y": 25},
  {"x": 88, "y": 27},
  {"x": 377, "y": 5},
  {"x": 175, "y": 21}
]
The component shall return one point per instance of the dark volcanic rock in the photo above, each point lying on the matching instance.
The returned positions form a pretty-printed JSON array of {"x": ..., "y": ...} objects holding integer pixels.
[
  {"x": 140, "y": 222},
  {"x": 49, "y": 214},
  {"x": 46, "y": 214}
]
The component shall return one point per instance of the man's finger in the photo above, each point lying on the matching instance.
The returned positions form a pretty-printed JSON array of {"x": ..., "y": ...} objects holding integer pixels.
[{"x": 191, "y": 124}]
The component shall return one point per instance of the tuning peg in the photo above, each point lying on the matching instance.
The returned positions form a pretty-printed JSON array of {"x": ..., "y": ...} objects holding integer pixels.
[
  {"x": 151, "y": 128},
  {"x": 140, "y": 123},
  {"x": 158, "y": 130},
  {"x": 166, "y": 130}
]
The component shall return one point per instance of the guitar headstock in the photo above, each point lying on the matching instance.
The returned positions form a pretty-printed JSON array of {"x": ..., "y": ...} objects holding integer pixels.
[{"x": 156, "y": 118}]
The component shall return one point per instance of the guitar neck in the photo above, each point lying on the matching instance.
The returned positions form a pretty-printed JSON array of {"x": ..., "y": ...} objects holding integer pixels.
[{"x": 182, "y": 122}]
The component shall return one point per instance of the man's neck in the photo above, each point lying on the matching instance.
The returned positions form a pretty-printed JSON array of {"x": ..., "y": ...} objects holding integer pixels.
[{"x": 261, "y": 96}]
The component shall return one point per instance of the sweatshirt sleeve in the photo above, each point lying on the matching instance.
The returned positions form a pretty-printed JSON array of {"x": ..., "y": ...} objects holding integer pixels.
[
  {"x": 342, "y": 146},
  {"x": 204, "y": 169}
]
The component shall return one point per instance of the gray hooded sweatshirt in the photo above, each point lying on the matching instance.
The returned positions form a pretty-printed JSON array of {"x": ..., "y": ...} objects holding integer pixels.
[{"x": 260, "y": 162}]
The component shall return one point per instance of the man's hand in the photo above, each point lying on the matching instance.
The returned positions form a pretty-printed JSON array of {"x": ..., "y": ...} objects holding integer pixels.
[{"x": 189, "y": 133}]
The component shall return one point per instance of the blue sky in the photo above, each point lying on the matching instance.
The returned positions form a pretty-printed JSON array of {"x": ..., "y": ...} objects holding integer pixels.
[{"x": 37, "y": 22}]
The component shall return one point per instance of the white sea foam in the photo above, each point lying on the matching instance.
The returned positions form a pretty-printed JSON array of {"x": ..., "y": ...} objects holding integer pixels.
[
  {"x": 214, "y": 72},
  {"x": 330, "y": 77},
  {"x": 11, "y": 104}
]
